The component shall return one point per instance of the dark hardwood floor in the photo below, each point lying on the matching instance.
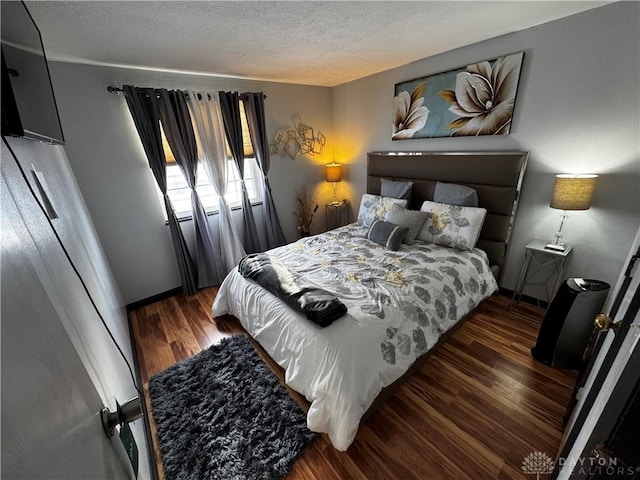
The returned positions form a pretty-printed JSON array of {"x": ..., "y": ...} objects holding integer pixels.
[{"x": 474, "y": 410}]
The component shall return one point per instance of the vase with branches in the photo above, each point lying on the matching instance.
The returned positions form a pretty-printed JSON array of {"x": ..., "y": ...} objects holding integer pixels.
[{"x": 306, "y": 207}]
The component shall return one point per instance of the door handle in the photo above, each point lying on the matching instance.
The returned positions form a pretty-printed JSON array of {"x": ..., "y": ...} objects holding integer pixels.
[
  {"x": 127, "y": 413},
  {"x": 601, "y": 451},
  {"x": 603, "y": 323}
]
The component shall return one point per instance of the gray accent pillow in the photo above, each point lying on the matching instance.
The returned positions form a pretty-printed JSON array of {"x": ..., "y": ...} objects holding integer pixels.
[
  {"x": 455, "y": 194},
  {"x": 389, "y": 235},
  {"x": 395, "y": 188},
  {"x": 412, "y": 219}
]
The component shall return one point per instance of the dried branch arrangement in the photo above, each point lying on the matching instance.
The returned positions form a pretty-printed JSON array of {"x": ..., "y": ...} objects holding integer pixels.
[{"x": 306, "y": 207}]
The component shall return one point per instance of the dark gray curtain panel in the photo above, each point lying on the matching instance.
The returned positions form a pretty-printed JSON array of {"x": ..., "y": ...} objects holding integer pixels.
[
  {"x": 143, "y": 106},
  {"x": 254, "y": 109},
  {"x": 230, "y": 108},
  {"x": 176, "y": 122}
]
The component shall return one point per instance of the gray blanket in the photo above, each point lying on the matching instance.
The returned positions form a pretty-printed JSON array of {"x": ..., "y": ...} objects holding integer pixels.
[{"x": 316, "y": 304}]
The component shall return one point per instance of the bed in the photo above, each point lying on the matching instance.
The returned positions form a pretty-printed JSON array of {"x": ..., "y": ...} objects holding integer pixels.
[{"x": 401, "y": 304}]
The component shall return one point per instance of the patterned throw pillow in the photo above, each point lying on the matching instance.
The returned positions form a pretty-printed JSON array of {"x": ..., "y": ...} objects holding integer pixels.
[
  {"x": 389, "y": 235},
  {"x": 412, "y": 219},
  {"x": 452, "y": 225},
  {"x": 375, "y": 207}
]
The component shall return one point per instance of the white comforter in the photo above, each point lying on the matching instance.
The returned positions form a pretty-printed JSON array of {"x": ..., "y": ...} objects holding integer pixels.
[{"x": 399, "y": 304}]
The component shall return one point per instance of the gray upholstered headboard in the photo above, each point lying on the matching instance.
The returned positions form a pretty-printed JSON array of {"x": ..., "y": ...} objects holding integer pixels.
[{"x": 496, "y": 176}]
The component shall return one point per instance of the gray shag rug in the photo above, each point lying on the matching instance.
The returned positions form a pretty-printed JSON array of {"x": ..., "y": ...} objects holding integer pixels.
[{"x": 222, "y": 414}]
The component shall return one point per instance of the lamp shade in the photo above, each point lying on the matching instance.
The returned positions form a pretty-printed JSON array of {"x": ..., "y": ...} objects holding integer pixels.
[
  {"x": 573, "y": 192},
  {"x": 333, "y": 172}
]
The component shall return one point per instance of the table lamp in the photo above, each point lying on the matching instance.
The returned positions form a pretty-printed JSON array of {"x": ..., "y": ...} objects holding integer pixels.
[
  {"x": 570, "y": 192},
  {"x": 333, "y": 173}
]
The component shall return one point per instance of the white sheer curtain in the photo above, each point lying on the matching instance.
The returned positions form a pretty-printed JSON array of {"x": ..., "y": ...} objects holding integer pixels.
[{"x": 205, "y": 112}]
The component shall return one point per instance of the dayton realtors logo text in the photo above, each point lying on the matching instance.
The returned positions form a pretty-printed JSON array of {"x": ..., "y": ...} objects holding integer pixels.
[
  {"x": 599, "y": 466},
  {"x": 539, "y": 463}
]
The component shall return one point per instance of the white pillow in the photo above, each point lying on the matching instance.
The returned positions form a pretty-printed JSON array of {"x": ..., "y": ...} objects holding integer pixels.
[
  {"x": 375, "y": 207},
  {"x": 452, "y": 225}
]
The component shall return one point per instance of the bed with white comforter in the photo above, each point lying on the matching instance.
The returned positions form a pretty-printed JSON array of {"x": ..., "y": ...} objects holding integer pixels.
[{"x": 399, "y": 304}]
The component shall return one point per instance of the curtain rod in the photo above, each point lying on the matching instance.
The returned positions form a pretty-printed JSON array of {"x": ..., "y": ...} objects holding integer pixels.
[{"x": 119, "y": 91}]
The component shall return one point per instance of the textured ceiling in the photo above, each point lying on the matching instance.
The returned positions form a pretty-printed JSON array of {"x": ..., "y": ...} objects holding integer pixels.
[{"x": 307, "y": 42}]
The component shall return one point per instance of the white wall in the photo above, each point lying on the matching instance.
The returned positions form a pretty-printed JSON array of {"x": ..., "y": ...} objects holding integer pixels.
[
  {"x": 108, "y": 160},
  {"x": 577, "y": 110}
]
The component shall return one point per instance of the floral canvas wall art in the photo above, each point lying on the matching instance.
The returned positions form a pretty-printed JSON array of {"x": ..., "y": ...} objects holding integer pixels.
[{"x": 475, "y": 100}]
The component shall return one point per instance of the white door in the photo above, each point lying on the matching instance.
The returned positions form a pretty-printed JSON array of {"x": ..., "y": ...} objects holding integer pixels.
[
  {"x": 59, "y": 366},
  {"x": 51, "y": 424}
]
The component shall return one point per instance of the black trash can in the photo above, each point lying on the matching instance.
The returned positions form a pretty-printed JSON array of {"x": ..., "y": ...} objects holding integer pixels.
[{"x": 568, "y": 323}]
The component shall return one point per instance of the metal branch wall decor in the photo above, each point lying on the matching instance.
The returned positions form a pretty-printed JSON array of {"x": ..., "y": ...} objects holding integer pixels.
[{"x": 301, "y": 140}]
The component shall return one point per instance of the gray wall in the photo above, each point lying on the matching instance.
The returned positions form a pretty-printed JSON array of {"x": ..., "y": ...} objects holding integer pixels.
[
  {"x": 576, "y": 111},
  {"x": 108, "y": 160}
]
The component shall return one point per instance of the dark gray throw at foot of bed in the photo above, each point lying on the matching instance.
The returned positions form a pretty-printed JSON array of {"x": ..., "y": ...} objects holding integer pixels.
[{"x": 317, "y": 305}]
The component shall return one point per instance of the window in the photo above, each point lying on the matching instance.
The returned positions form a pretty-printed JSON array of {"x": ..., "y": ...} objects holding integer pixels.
[{"x": 180, "y": 193}]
